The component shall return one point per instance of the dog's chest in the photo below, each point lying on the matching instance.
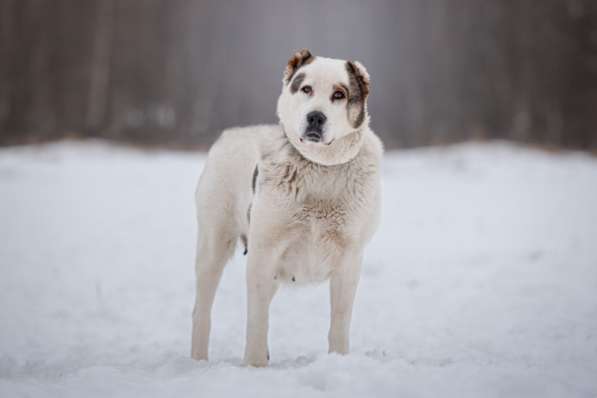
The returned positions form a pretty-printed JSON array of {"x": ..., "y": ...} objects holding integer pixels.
[
  {"x": 317, "y": 234},
  {"x": 324, "y": 214}
]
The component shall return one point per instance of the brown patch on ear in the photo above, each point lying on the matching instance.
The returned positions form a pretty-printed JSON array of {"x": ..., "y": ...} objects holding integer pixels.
[
  {"x": 299, "y": 59},
  {"x": 358, "y": 80}
]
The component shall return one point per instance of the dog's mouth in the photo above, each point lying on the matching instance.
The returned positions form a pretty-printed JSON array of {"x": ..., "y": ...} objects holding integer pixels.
[
  {"x": 304, "y": 140},
  {"x": 313, "y": 136}
]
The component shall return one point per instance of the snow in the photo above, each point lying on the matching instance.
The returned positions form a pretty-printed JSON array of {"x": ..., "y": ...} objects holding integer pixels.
[{"x": 482, "y": 281}]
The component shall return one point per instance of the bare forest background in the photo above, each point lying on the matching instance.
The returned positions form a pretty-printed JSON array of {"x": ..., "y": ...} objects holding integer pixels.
[{"x": 175, "y": 72}]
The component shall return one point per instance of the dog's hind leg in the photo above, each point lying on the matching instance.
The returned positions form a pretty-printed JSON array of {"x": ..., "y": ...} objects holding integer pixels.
[{"x": 214, "y": 249}]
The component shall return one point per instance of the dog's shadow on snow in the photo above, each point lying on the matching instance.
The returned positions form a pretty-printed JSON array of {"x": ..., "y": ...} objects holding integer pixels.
[{"x": 294, "y": 363}]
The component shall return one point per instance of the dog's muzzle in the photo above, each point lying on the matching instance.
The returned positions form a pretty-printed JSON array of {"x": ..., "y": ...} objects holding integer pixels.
[{"x": 315, "y": 123}]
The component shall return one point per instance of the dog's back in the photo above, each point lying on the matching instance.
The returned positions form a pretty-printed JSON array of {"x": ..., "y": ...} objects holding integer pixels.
[{"x": 225, "y": 187}]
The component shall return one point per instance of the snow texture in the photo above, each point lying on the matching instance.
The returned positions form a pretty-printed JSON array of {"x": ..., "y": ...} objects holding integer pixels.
[{"x": 481, "y": 282}]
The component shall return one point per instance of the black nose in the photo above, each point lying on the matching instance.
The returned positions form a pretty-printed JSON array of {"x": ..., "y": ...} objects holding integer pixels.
[{"x": 315, "y": 120}]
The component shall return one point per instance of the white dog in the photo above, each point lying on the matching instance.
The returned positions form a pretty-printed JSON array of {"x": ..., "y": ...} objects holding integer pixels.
[{"x": 302, "y": 196}]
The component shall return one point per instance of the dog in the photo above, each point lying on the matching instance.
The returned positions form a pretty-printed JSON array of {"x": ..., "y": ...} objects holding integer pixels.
[{"x": 303, "y": 197}]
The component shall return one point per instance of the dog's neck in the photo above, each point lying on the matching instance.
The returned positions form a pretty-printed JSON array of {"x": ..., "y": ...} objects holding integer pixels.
[{"x": 338, "y": 152}]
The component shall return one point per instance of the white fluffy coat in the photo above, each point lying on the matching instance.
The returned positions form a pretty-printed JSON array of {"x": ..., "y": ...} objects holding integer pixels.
[{"x": 307, "y": 217}]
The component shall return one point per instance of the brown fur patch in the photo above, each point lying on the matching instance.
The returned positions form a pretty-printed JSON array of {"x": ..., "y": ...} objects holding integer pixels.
[
  {"x": 254, "y": 180},
  {"x": 300, "y": 58},
  {"x": 358, "y": 92},
  {"x": 245, "y": 242},
  {"x": 339, "y": 87},
  {"x": 296, "y": 83}
]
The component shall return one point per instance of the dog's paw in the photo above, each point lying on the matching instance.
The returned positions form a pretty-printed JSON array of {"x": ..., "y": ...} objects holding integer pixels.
[
  {"x": 257, "y": 361},
  {"x": 199, "y": 356}
]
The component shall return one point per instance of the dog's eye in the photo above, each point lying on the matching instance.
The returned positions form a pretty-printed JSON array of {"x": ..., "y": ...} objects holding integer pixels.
[
  {"x": 338, "y": 95},
  {"x": 307, "y": 90}
]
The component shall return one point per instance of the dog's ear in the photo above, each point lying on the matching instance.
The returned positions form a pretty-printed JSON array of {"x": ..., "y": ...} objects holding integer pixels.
[
  {"x": 300, "y": 58},
  {"x": 359, "y": 83},
  {"x": 358, "y": 75}
]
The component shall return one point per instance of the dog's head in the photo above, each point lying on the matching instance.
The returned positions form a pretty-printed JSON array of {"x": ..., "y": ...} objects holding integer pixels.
[{"x": 324, "y": 104}]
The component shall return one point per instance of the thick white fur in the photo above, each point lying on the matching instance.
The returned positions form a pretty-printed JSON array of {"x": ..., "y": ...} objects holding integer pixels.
[{"x": 315, "y": 207}]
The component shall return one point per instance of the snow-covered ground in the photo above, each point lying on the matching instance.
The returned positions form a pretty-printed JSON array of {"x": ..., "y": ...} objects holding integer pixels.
[{"x": 481, "y": 282}]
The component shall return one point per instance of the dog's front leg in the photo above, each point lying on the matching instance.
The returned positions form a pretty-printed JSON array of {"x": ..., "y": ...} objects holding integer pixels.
[
  {"x": 261, "y": 287},
  {"x": 343, "y": 286}
]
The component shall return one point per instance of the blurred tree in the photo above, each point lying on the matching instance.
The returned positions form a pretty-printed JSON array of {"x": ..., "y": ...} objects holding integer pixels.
[{"x": 177, "y": 72}]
